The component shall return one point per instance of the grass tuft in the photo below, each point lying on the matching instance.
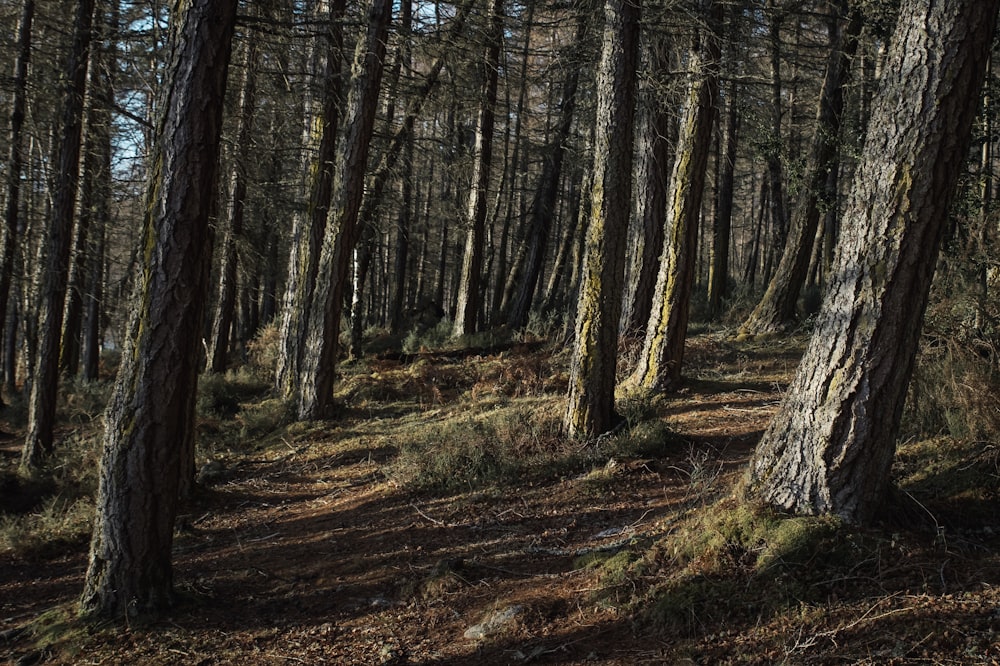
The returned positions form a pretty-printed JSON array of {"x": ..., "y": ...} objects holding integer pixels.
[{"x": 473, "y": 451}]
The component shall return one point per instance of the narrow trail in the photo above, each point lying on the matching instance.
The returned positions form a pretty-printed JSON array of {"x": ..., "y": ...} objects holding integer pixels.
[{"x": 311, "y": 552}]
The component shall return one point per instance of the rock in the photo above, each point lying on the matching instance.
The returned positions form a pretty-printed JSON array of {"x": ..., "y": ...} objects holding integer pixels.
[
  {"x": 494, "y": 623},
  {"x": 211, "y": 472}
]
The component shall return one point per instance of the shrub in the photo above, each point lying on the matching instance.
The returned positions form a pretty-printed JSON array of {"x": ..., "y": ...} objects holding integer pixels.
[
  {"x": 476, "y": 451},
  {"x": 222, "y": 395},
  {"x": 421, "y": 338},
  {"x": 263, "y": 350},
  {"x": 955, "y": 390}
]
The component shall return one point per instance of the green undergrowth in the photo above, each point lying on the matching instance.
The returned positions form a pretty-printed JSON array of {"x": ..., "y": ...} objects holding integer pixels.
[
  {"x": 507, "y": 442},
  {"x": 733, "y": 564},
  {"x": 51, "y": 510},
  {"x": 473, "y": 450},
  {"x": 223, "y": 395},
  {"x": 951, "y": 485}
]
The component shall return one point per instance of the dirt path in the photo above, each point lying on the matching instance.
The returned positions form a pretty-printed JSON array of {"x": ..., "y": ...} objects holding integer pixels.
[{"x": 310, "y": 553}]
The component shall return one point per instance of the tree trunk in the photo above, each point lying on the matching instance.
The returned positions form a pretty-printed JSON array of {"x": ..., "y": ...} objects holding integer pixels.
[
  {"x": 94, "y": 310},
  {"x": 469, "y": 306},
  {"x": 558, "y": 275},
  {"x": 86, "y": 273},
  {"x": 543, "y": 206},
  {"x": 591, "y": 399},
  {"x": 400, "y": 144},
  {"x": 831, "y": 446},
  {"x": 52, "y": 276},
  {"x": 775, "y": 172},
  {"x": 15, "y": 165},
  {"x": 308, "y": 231},
  {"x": 149, "y": 436},
  {"x": 776, "y": 311},
  {"x": 722, "y": 223},
  {"x": 397, "y": 287},
  {"x": 226, "y": 302},
  {"x": 579, "y": 245},
  {"x": 323, "y": 328},
  {"x": 650, "y": 204},
  {"x": 659, "y": 365}
]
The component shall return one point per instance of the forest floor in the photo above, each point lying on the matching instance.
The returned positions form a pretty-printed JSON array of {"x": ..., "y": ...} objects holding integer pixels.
[{"x": 440, "y": 518}]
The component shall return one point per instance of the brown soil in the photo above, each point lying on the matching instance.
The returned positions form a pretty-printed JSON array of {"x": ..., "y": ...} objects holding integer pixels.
[{"x": 307, "y": 552}]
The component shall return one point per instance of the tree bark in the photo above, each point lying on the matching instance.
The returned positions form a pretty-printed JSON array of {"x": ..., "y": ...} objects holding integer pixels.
[
  {"x": 830, "y": 447},
  {"x": 316, "y": 376},
  {"x": 469, "y": 306},
  {"x": 53, "y": 269},
  {"x": 659, "y": 366},
  {"x": 776, "y": 311},
  {"x": 15, "y": 165},
  {"x": 149, "y": 432},
  {"x": 591, "y": 397},
  {"x": 226, "y": 303}
]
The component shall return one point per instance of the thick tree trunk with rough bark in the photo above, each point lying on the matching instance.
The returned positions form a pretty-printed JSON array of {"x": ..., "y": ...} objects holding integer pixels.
[
  {"x": 776, "y": 311},
  {"x": 659, "y": 366},
  {"x": 323, "y": 328},
  {"x": 591, "y": 398},
  {"x": 149, "y": 432},
  {"x": 831, "y": 446},
  {"x": 52, "y": 272}
]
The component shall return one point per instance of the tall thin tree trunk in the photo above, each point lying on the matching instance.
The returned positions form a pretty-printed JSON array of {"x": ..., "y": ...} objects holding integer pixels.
[
  {"x": 543, "y": 206},
  {"x": 558, "y": 275},
  {"x": 226, "y": 302},
  {"x": 15, "y": 166},
  {"x": 309, "y": 230},
  {"x": 400, "y": 144},
  {"x": 513, "y": 166},
  {"x": 469, "y": 305},
  {"x": 776, "y": 311},
  {"x": 52, "y": 278},
  {"x": 659, "y": 366},
  {"x": 652, "y": 175},
  {"x": 591, "y": 397},
  {"x": 94, "y": 308},
  {"x": 775, "y": 171},
  {"x": 98, "y": 165},
  {"x": 323, "y": 329},
  {"x": 722, "y": 223},
  {"x": 398, "y": 284}
]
